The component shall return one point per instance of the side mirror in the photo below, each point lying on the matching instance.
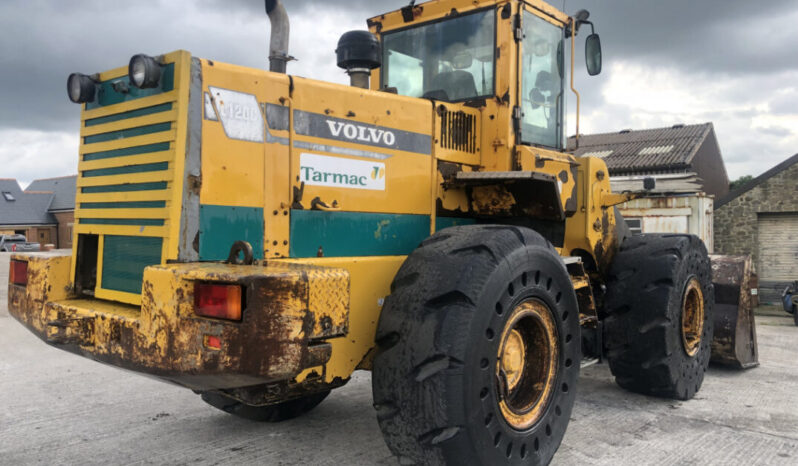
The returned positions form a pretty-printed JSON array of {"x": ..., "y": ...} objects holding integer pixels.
[{"x": 593, "y": 54}]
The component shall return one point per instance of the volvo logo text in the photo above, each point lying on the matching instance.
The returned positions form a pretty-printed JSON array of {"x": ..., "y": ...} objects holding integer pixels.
[{"x": 361, "y": 133}]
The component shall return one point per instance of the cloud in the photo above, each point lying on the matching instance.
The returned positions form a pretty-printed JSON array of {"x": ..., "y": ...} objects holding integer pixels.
[
  {"x": 678, "y": 61},
  {"x": 31, "y": 154},
  {"x": 751, "y": 138}
]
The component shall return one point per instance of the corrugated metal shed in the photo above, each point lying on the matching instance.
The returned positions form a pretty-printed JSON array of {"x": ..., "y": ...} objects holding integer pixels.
[
  {"x": 648, "y": 150},
  {"x": 677, "y": 183}
]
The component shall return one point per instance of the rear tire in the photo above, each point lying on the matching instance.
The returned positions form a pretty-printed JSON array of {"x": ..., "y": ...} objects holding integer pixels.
[
  {"x": 657, "y": 343},
  {"x": 478, "y": 315},
  {"x": 270, "y": 413}
]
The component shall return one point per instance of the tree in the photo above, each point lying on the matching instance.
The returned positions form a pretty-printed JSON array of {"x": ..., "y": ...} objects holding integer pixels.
[{"x": 740, "y": 181}]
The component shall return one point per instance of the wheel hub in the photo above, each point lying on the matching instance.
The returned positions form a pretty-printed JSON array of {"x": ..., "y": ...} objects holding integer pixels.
[
  {"x": 526, "y": 367},
  {"x": 513, "y": 358},
  {"x": 692, "y": 317}
]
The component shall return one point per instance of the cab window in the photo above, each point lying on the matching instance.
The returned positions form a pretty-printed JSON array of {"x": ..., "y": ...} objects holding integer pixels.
[
  {"x": 450, "y": 60},
  {"x": 542, "y": 96}
]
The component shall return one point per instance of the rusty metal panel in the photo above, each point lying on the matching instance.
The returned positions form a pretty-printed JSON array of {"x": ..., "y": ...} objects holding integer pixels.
[
  {"x": 289, "y": 309},
  {"x": 734, "y": 342},
  {"x": 665, "y": 224},
  {"x": 674, "y": 214}
]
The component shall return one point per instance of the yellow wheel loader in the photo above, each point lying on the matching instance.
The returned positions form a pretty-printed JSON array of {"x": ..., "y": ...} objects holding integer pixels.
[{"x": 257, "y": 237}]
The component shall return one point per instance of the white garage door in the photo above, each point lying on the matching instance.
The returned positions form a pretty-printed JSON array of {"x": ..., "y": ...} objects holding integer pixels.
[{"x": 778, "y": 249}]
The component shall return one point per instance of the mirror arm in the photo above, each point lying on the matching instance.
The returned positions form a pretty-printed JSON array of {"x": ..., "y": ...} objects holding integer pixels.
[{"x": 573, "y": 88}]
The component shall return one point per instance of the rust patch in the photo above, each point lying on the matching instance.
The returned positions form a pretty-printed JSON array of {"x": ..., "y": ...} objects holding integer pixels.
[
  {"x": 288, "y": 310},
  {"x": 194, "y": 184}
]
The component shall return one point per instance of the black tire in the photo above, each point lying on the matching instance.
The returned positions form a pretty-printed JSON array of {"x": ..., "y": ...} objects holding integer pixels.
[
  {"x": 270, "y": 413},
  {"x": 646, "y": 287},
  {"x": 435, "y": 382},
  {"x": 795, "y": 314}
]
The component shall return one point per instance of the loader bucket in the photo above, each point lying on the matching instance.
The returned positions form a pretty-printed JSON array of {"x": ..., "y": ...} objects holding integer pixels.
[{"x": 734, "y": 342}]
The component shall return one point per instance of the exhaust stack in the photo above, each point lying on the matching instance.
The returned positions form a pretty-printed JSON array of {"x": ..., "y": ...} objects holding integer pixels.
[{"x": 278, "y": 44}]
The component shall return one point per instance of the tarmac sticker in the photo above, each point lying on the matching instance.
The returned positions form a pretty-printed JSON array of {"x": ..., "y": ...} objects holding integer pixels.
[{"x": 338, "y": 172}]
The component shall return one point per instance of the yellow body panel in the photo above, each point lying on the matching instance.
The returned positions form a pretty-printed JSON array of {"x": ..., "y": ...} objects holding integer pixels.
[
  {"x": 317, "y": 316},
  {"x": 405, "y": 172}
]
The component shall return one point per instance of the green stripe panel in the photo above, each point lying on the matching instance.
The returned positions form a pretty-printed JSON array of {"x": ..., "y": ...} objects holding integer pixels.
[
  {"x": 343, "y": 234},
  {"x": 144, "y": 222},
  {"x": 123, "y": 205},
  {"x": 143, "y": 168},
  {"x": 128, "y": 133},
  {"x": 131, "y": 114},
  {"x": 124, "y": 260},
  {"x": 123, "y": 188},
  {"x": 346, "y": 234},
  {"x": 107, "y": 95},
  {"x": 221, "y": 226},
  {"x": 137, "y": 150}
]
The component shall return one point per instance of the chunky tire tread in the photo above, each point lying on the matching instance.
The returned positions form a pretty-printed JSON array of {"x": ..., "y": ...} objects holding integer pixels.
[
  {"x": 271, "y": 413},
  {"x": 643, "y": 325},
  {"x": 433, "y": 397}
]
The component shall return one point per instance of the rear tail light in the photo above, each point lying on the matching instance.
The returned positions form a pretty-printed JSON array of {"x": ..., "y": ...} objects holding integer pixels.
[
  {"x": 217, "y": 300},
  {"x": 212, "y": 342},
  {"x": 18, "y": 273}
]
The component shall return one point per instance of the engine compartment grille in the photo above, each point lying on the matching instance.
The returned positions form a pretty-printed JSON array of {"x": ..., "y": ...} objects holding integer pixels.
[
  {"x": 129, "y": 176},
  {"x": 458, "y": 131}
]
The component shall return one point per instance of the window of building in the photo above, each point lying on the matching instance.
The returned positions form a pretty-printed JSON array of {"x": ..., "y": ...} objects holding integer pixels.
[
  {"x": 9, "y": 196},
  {"x": 635, "y": 225}
]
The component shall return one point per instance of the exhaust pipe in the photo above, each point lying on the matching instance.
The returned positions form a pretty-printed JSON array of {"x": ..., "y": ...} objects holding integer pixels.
[{"x": 278, "y": 45}]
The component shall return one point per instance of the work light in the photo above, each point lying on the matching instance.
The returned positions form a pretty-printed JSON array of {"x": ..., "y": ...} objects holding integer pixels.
[
  {"x": 80, "y": 88},
  {"x": 144, "y": 71}
]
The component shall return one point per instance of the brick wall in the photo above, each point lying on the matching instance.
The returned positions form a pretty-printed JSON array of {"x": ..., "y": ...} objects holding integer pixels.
[{"x": 65, "y": 222}]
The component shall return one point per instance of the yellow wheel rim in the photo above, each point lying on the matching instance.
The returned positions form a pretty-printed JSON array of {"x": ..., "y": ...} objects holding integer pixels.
[
  {"x": 526, "y": 367},
  {"x": 692, "y": 317}
]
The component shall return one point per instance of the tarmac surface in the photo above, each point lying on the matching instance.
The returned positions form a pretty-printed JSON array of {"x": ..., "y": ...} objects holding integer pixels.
[{"x": 58, "y": 408}]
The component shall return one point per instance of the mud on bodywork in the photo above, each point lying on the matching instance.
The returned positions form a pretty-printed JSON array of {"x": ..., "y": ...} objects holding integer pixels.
[{"x": 289, "y": 311}]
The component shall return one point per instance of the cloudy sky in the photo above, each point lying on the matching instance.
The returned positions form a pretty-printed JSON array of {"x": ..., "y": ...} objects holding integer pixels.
[{"x": 731, "y": 62}]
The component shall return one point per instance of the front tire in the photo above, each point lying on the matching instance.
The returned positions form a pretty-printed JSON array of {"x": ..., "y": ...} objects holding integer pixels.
[
  {"x": 478, "y": 350},
  {"x": 658, "y": 329}
]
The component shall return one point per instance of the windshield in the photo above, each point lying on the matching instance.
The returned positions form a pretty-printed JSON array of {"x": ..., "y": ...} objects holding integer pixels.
[
  {"x": 449, "y": 60},
  {"x": 542, "y": 97}
]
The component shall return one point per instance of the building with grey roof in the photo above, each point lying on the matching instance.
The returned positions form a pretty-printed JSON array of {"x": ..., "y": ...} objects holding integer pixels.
[
  {"x": 679, "y": 149},
  {"x": 44, "y": 212},
  {"x": 63, "y": 189}
]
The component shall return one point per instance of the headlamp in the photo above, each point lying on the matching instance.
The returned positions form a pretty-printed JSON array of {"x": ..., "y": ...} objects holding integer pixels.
[
  {"x": 144, "y": 71},
  {"x": 80, "y": 88}
]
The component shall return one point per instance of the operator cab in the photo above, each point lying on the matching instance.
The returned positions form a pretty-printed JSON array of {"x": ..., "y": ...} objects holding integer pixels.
[{"x": 457, "y": 58}]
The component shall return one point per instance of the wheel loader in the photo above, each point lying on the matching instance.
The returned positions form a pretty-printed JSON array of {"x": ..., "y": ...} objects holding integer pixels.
[{"x": 257, "y": 237}]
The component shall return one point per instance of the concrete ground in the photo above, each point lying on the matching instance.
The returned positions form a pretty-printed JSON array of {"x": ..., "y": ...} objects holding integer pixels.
[{"x": 58, "y": 408}]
